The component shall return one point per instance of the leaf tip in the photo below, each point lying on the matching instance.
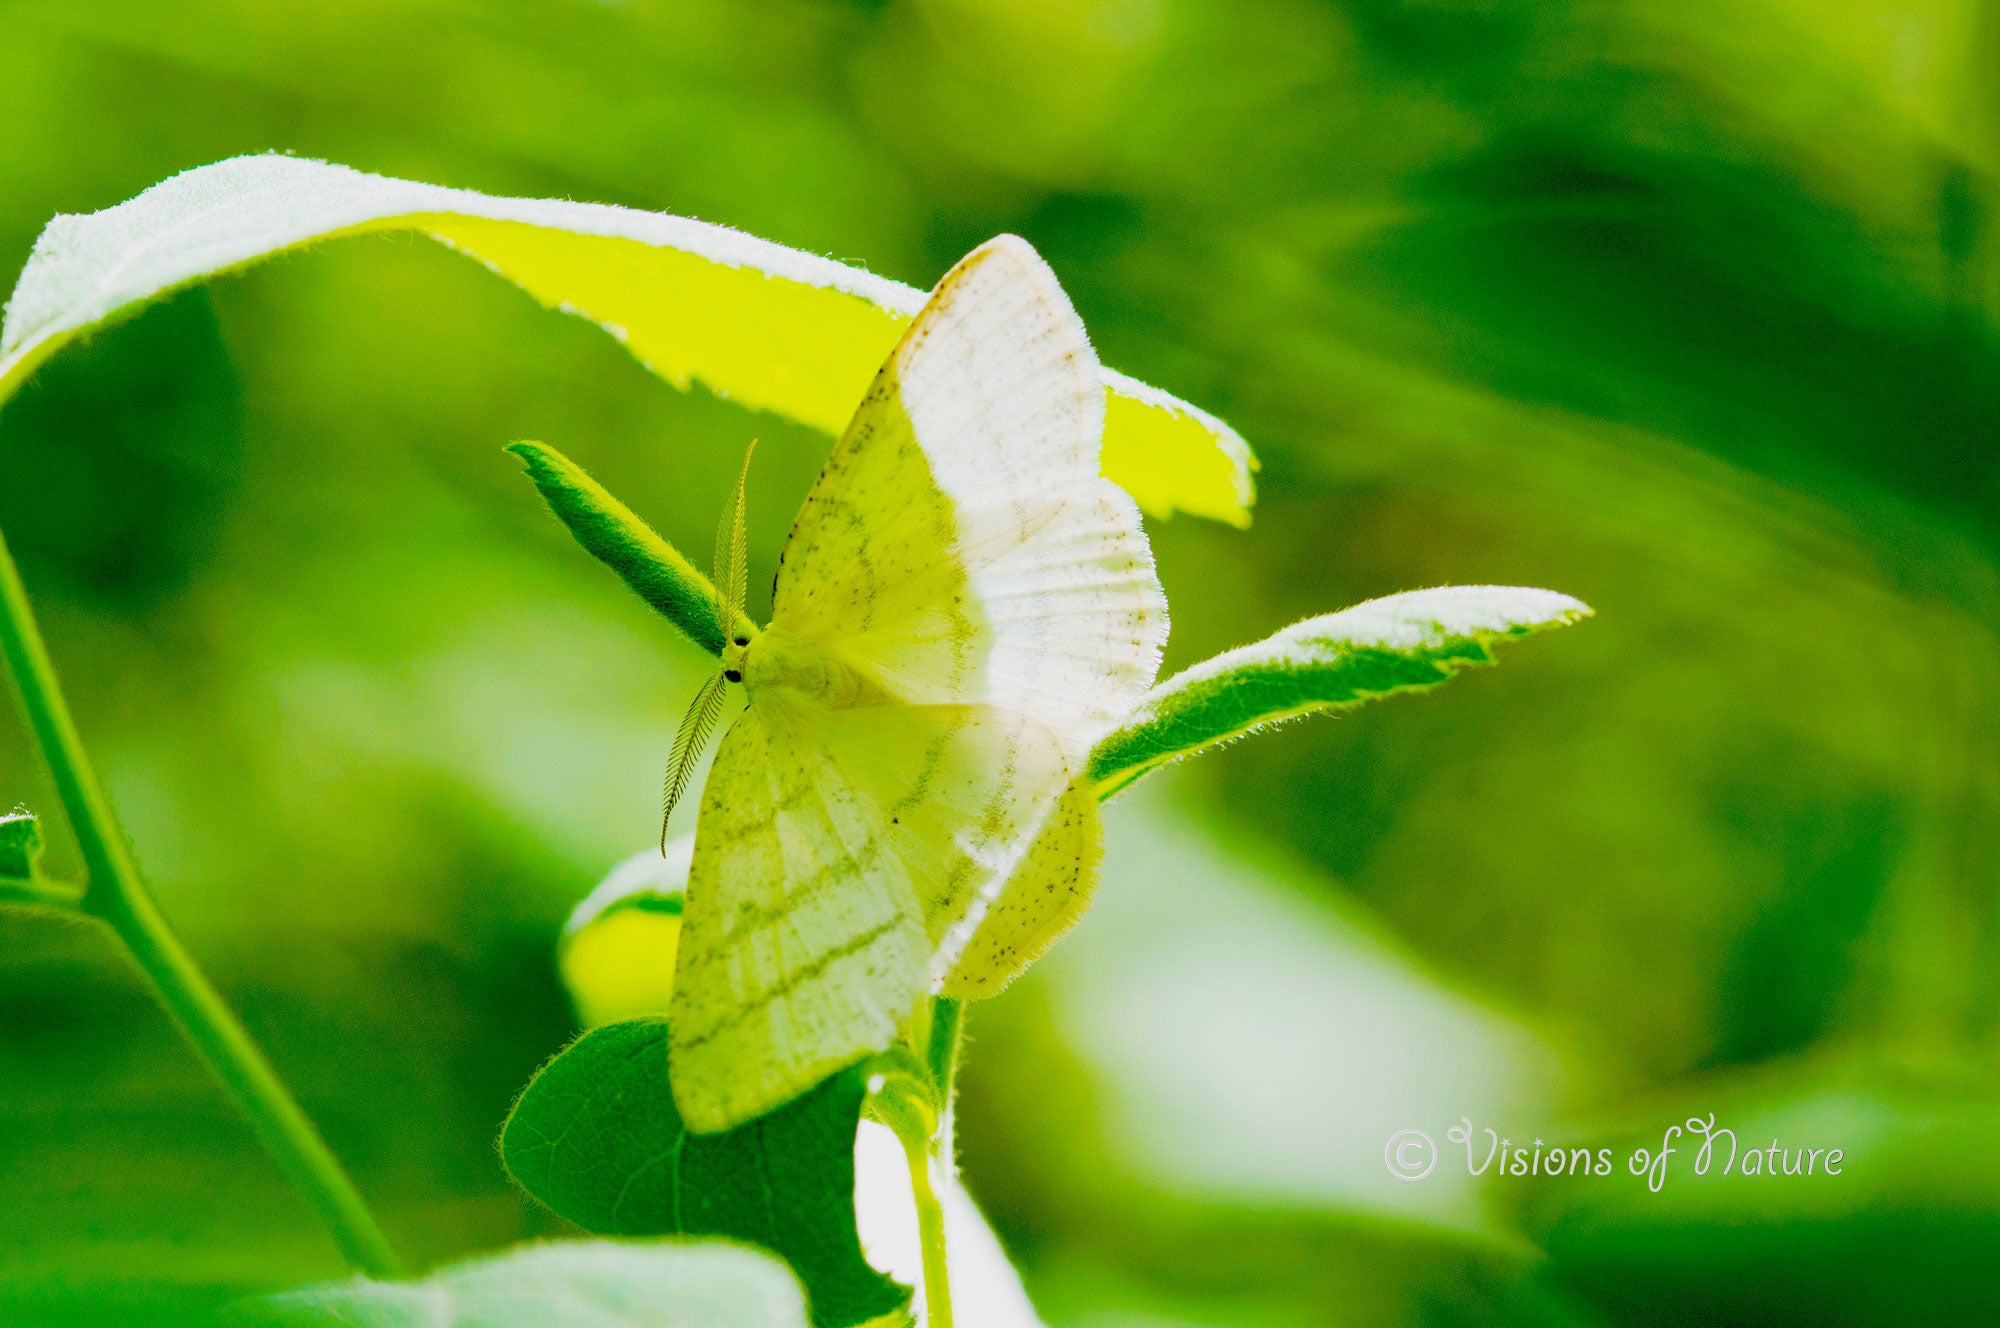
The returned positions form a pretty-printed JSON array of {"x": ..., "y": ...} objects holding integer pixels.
[
  {"x": 1566, "y": 609},
  {"x": 536, "y": 457}
]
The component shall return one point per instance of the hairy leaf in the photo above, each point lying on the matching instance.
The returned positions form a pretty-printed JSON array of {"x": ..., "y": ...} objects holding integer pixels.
[
  {"x": 20, "y": 843},
  {"x": 577, "y": 1284},
  {"x": 1399, "y": 643},
  {"x": 596, "y": 1137},
  {"x": 628, "y": 546},
  {"x": 771, "y": 327}
]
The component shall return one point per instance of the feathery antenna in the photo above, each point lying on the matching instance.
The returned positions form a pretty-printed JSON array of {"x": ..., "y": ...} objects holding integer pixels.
[
  {"x": 696, "y": 725},
  {"x": 732, "y": 580},
  {"x": 732, "y": 549}
]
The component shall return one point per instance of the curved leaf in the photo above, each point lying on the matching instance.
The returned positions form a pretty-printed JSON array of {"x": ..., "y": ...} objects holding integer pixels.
[
  {"x": 596, "y": 1137},
  {"x": 618, "y": 947},
  {"x": 771, "y": 327},
  {"x": 1399, "y": 643},
  {"x": 578, "y": 1284}
]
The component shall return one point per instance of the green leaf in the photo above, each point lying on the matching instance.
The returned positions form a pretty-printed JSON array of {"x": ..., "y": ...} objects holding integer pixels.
[
  {"x": 628, "y": 546},
  {"x": 20, "y": 844},
  {"x": 596, "y": 1137},
  {"x": 774, "y": 328},
  {"x": 575, "y": 1284},
  {"x": 1399, "y": 643},
  {"x": 618, "y": 947}
]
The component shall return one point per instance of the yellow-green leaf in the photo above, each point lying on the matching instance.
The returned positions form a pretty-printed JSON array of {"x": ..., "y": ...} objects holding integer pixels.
[
  {"x": 774, "y": 328},
  {"x": 618, "y": 949}
]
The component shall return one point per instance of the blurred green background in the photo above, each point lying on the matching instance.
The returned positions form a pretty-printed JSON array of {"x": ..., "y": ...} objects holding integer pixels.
[{"x": 1686, "y": 308}]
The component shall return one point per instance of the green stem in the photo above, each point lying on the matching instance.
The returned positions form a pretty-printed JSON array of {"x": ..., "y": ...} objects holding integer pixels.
[
  {"x": 947, "y": 1025},
  {"x": 39, "y": 892},
  {"x": 930, "y": 1230},
  {"x": 114, "y": 893},
  {"x": 941, "y": 1054},
  {"x": 915, "y": 1101}
]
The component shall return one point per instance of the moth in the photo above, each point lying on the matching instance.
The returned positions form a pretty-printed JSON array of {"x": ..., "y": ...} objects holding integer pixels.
[{"x": 964, "y": 605}]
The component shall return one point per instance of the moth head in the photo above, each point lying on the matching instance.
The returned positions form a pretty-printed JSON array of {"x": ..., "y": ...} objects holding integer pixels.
[
  {"x": 736, "y": 655},
  {"x": 732, "y": 557}
]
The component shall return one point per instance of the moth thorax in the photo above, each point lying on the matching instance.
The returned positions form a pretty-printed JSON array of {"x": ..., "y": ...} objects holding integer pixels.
[{"x": 775, "y": 660}]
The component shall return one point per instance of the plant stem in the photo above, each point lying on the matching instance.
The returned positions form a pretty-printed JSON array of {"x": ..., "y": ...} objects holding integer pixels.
[
  {"x": 941, "y": 1154},
  {"x": 930, "y": 1230},
  {"x": 947, "y": 1024},
  {"x": 39, "y": 892},
  {"x": 947, "y": 1030},
  {"x": 114, "y": 894}
]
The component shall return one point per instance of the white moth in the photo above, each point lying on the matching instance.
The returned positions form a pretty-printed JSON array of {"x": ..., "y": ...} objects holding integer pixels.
[{"x": 964, "y": 606}]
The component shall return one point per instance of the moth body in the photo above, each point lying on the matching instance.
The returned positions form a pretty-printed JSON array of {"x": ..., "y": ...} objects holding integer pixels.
[{"x": 779, "y": 662}]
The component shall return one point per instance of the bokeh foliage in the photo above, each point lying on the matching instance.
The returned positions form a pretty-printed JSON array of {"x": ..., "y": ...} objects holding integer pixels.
[{"x": 1683, "y": 308}]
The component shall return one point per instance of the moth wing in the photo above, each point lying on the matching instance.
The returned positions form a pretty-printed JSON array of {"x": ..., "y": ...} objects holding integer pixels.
[
  {"x": 802, "y": 946},
  {"x": 960, "y": 546},
  {"x": 1047, "y": 893},
  {"x": 1078, "y": 617},
  {"x": 841, "y": 860},
  {"x": 962, "y": 790}
]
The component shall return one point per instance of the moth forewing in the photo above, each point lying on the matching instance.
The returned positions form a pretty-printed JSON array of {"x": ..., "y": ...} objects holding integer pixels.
[{"x": 801, "y": 948}]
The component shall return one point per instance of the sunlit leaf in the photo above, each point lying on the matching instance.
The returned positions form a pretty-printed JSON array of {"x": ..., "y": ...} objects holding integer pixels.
[
  {"x": 597, "y": 1138},
  {"x": 618, "y": 948},
  {"x": 1399, "y": 643},
  {"x": 577, "y": 1284},
  {"x": 771, "y": 327}
]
